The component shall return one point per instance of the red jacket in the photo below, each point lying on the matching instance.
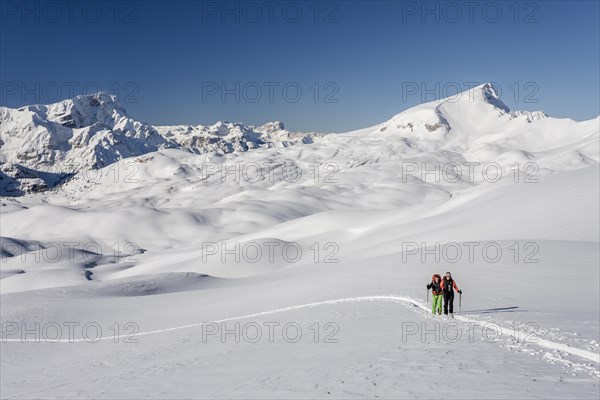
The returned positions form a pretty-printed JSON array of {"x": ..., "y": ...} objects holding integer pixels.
[{"x": 453, "y": 284}]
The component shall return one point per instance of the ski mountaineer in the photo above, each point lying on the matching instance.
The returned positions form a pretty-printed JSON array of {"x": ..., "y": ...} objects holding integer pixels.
[
  {"x": 448, "y": 285},
  {"x": 436, "y": 290}
]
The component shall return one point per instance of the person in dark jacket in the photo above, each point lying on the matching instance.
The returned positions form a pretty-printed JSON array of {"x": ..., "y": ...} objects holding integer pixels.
[{"x": 448, "y": 288}]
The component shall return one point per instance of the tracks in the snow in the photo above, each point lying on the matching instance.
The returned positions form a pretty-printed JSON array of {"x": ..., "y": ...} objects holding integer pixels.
[{"x": 588, "y": 355}]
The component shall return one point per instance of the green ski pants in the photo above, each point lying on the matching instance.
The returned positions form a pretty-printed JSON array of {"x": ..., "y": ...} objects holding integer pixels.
[{"x": 436, "y": 304}]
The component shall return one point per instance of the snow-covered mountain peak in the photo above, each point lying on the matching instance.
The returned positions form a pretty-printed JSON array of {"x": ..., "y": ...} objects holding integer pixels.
[
  {"x": 490, "y": 95},
  {"x": 471, "y": 113},
  {"x": 221, "y": 127},
  {"x": 81, "y": 111},
  {"x": 484, "y": 96},
  {"x": 89, "y": 131},
  {"x": 271, "y": 127}
]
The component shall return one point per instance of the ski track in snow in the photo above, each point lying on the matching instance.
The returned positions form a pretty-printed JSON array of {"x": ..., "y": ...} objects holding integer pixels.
[{"x": 588, "y": 355}]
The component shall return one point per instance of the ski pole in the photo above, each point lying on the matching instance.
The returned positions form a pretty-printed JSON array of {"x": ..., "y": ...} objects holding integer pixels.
[
  {"x": 427, "y": 296},
  {"x": 459, "y": 302}
]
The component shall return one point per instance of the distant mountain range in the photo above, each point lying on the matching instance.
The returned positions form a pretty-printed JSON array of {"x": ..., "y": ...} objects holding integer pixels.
[{"x": 40, "y": 145}]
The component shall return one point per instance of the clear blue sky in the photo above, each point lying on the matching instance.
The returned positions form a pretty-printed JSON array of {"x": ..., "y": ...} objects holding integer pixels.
[{"x": 168, "y": 61}]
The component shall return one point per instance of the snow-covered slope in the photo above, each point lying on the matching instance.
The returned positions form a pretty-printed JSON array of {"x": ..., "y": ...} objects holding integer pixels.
[{"x": 168, "y": 240}]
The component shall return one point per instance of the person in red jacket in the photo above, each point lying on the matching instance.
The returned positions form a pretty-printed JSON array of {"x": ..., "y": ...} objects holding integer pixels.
[{"x": 448, "y": 287}]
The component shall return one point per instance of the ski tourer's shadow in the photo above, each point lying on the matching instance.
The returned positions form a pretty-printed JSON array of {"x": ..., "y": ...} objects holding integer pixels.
[{"x": 492, "y": 310}]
